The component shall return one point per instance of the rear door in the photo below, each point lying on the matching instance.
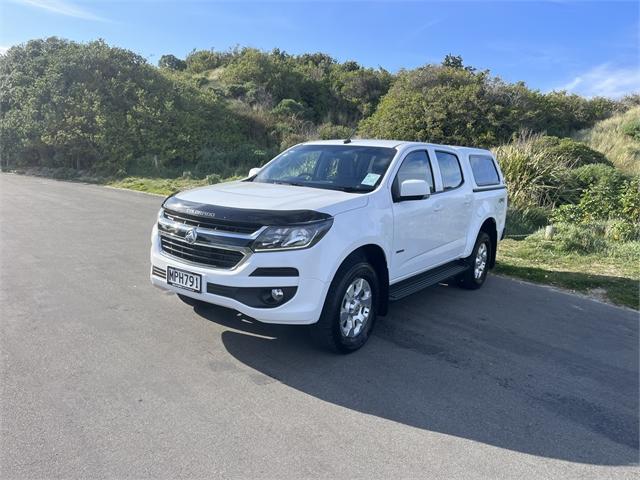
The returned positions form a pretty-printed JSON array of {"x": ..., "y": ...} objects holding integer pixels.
[{"x": 453, "y": 204}]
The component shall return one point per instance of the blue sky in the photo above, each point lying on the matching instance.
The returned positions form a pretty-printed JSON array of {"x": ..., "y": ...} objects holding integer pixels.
[{"x": 591, "y": 48}]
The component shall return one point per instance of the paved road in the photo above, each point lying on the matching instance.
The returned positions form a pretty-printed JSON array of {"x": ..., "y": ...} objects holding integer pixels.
[{"x": 105, "y": 376}]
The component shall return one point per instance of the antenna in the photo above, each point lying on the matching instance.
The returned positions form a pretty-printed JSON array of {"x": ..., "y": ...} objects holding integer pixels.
[{"x": 348, "y": 139}]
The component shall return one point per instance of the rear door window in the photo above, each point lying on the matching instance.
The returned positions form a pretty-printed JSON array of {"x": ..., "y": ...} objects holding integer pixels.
[
  {"x": 450, "y": 170},
  {"x": 484, "y": 170}
]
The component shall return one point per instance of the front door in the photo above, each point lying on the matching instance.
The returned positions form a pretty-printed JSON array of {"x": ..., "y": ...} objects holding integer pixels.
[{"x": 415, "y": 235}]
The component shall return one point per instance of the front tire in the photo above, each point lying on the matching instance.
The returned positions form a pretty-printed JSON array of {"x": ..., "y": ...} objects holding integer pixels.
[
  {"x": 475, "y": 276},
  {"x": 350, "y": 309}
]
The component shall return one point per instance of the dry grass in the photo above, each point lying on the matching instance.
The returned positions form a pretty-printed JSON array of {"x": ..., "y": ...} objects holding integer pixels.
[
  {"x": 532, "y": 172},
  {"x": 611, "y": 138}
]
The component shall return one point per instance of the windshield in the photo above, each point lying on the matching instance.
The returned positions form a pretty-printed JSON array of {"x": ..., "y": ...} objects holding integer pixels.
[{"x": 334, "y": 167}]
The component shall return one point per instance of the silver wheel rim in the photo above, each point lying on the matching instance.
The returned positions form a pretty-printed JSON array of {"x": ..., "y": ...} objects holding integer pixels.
[
  {"x": 481, "y": 261},
  {"x": 355, "y": 308}
]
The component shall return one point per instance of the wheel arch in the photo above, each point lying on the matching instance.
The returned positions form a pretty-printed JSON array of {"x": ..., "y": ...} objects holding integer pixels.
[
  {"x": 375, "y": 255},
  {"x": 490, "y": 227}
]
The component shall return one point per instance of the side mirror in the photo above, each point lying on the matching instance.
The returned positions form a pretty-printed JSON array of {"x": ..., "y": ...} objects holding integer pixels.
[
  {"x": 414, "y": 189},
  {"x": 253, "y": 172}
]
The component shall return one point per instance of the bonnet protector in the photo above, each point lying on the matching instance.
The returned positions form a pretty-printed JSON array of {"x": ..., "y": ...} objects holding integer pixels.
[{"x": 250, "y": 216}]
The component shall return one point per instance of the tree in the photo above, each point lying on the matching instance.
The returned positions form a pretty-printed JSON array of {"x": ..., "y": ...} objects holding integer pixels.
[
  {"x": 452, "y": 61},
  {"x": 172, "y": 62},
  {"x": 455, "y": 61}
]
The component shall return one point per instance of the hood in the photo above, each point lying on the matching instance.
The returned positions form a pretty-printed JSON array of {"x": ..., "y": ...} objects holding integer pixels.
[{"x": 272, "y": 197}]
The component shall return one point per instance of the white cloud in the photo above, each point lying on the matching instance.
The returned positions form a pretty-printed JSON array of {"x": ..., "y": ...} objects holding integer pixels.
[
  {"x": 62, "y": 7},
  {"x": 605, "y": 81},
  {"x": 3, "y": 49}
]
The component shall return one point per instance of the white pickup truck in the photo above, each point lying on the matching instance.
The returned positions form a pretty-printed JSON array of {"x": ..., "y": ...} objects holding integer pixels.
[{"x": 328, "y": 232}]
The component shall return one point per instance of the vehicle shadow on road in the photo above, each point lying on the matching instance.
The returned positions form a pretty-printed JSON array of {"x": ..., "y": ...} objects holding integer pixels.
[{"x": 442, "y": 362}]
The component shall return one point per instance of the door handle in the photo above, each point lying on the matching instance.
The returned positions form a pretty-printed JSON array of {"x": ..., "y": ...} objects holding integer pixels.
[{"x": 437, "y": 207}]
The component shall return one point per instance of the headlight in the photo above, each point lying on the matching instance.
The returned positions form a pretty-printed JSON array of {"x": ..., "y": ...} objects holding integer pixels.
[{"x": 290, "y": 238}]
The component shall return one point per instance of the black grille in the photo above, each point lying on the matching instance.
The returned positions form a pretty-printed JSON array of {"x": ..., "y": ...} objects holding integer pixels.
[
  {"x": 213, "y": 224},
  {"x": 215, "y": 257}
]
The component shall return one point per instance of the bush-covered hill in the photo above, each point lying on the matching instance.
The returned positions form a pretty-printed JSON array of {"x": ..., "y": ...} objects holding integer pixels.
[
  {"x": 461, "y": 106},
  {"x": 106, "y": 110},
  {"x": 103, "y": 109}
]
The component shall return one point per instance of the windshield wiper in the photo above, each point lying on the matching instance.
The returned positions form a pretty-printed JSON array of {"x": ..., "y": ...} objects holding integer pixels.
[
  {"x": 280, "y": 182},
  {"x": 349, "y": 189}
]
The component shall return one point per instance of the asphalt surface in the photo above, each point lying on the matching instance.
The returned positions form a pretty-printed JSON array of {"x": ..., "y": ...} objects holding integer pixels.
[{"x": 104, "y": 376}]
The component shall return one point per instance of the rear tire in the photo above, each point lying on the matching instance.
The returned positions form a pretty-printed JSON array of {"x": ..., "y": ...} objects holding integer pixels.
[
  {"x": 475, "y": 276},
  {"x": 350, "y": 309}
]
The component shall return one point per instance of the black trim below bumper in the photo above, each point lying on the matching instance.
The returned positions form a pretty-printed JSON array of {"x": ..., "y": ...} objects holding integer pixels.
[
  {"x": 275, "y": 272},
  {"x": 256, "y": 297}
]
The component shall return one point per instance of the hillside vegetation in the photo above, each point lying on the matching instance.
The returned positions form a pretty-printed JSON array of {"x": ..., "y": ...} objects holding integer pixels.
[
  {"x": 93, "y": 107},
  {"x": 618, "y": 138},
  {"x": 101, "y": 113}
]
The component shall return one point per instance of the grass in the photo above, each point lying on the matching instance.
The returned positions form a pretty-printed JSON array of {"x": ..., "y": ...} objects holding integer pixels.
[
  {"x": 615, "y": 139},
  {"x": 162, "y": 186},
  {"x": 612, "y": 277}
]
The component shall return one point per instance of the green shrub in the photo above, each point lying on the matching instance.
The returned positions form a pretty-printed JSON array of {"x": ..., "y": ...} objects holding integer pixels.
[
  {"x": 524, "y": 222},
  {"x": 630, "y": 200},
  {"x": 291, "y": 139},
  {"x": 569, "y": 213},
  {"x": 609, "y": 197},
  {"x": 576, "y": 154},
  {"x": 600, "y": 201},
  {"x": 213, "y": 178},
  {"x": 64, "y": 173},
  {"x": 291, "y": 109},
  {"x": 576, "y": 180},
  {"x": 622, "y": 231},
  {"x": 632, "y": 129},
  {"x": 328, "y": 131},
  {"x": 583, "y": 177},
  {"x": 583, "y": 239}
]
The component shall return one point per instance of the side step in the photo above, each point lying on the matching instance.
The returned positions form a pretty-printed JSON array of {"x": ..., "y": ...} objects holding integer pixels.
[{"x": 426, "y": 279}]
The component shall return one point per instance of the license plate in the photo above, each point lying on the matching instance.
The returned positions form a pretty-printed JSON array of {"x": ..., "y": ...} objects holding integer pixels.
[{"x": 184, "y": 279}]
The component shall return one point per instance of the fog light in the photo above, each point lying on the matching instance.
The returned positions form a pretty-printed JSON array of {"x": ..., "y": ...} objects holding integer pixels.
[{"x": 277, "y": 294}]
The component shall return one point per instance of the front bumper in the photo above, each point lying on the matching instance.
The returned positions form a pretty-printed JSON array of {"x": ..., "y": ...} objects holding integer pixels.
[{"x": 302, "y": 309}]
